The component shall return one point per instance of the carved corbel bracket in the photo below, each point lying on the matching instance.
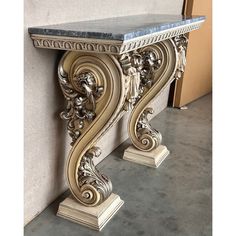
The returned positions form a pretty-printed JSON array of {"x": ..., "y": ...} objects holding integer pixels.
[
  {"x": 157, "y": 66},
  {"x": 93, "y": 86}
]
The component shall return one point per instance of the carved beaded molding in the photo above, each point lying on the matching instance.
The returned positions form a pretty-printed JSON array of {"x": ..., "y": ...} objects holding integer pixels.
[{"x": 109, "y": 46}]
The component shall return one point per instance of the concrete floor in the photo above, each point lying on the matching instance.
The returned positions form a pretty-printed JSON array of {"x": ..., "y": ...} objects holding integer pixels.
[{"x": 173, "y": 200}]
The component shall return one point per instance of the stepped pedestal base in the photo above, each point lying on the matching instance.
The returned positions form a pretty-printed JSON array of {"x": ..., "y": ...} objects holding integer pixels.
[
  {"x": 151, "y": 159},
  {"x": 92, "y": 217}
]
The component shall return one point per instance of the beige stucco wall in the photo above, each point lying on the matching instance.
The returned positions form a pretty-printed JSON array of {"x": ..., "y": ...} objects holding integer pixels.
[{"x": 46, "y": 143}]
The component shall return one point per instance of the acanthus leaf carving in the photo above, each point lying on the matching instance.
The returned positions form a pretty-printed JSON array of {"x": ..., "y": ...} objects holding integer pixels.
[
  {"x": 147, "y": 135},
  {"x": 94, "y": 186},
  {"x": 94, "y": 104},
  {"x": 81, "y": 95},
  {"x": 158, "y": 70}
]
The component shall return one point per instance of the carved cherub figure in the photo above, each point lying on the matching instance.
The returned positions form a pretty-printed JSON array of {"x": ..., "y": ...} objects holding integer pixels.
[
  {"x": 130, "y": 67},
  {"x": 181, "y": 58}
]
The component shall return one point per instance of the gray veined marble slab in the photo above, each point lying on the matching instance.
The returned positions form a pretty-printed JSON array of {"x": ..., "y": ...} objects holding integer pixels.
[
  {"x": 118, "y": 28},
  {"x": 113, "y": 35}
]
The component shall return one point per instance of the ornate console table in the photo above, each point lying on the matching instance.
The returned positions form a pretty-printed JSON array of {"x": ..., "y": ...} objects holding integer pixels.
[{"x": 111, "y": 66}]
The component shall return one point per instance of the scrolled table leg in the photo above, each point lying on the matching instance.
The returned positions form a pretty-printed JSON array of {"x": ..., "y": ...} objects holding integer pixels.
[
  {"x": 93, "y": 86},
  {"x": 159, "y": 65}
]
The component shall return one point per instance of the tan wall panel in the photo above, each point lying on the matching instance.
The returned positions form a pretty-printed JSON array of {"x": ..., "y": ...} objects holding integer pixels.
[{"x": 197, "y": 80}]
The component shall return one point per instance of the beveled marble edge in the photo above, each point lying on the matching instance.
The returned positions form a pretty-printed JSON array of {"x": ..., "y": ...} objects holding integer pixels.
[
  {"x": 110, "y": 46},
  {"x": 116, "y": 28}
]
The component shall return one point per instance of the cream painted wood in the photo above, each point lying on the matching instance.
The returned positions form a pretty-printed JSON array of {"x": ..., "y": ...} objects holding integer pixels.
[
  {"x": 151, "y": 159},
  {"x": 146, "y": 138},
  {"x": 45, "y": 162},
  {"x": 99, "y": 89},
  {"x": 96, "y": 119},
  {"x": 93, "y": 217},
  {"x": 81, "y": 76},
  {"x": 118, "y": 133}
]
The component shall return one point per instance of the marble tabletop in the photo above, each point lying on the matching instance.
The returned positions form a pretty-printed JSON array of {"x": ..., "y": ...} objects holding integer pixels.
[{"x": 117, "y": 28}]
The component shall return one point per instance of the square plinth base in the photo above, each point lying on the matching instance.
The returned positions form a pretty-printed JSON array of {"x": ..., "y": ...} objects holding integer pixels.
[
  {"x": 92, "y": 217},
  {"x": 151, "y": 159}
]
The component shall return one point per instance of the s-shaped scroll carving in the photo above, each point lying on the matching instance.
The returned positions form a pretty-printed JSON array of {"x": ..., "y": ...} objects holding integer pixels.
[
  {"x": 93, "y": 86},
  {"x": 171, "y": 56}
]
